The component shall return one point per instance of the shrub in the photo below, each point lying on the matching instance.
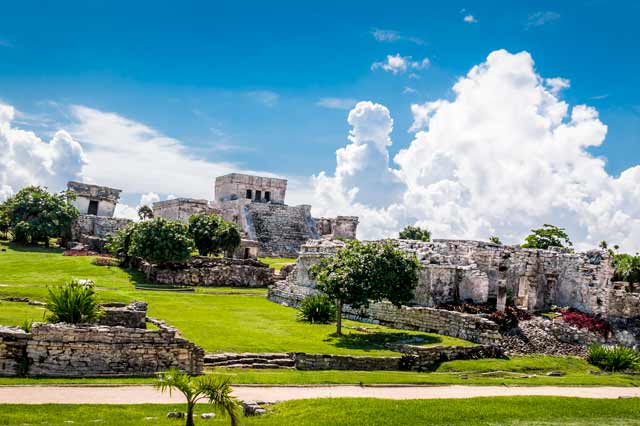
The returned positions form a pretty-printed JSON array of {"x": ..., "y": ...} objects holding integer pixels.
[
  {"x": 73, "y": 303},
  {"x": 547, "y": 236},
  {"x": 495, "y": 240},
  {"x": 590, "y": 322},
  {"x": 318, "y": 309},
  {"x": 34, "y": 215},
  {"x": 26, "y": 326},
  {"x": 118, "y": 244},
  {"x": 212, "y": 234},
  {"x": 161, "y": 241},
  {"x": 145, "y": 212},
  {"x": 506, "y": 319},
  {"x": 415, "y": 233},
  {"x": 613, "y": 358},
  {"x": 627, "y": 268}
]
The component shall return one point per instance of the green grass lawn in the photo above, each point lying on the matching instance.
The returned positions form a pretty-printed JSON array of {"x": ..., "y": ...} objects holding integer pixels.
[
  {"x": 277, "y": 262},
  {"x": 218, "y": 319},
  {"x": 516, "y": 411}
]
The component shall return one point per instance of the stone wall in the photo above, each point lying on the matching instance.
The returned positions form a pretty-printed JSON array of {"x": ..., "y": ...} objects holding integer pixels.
[
  {"x": 337, "y": 227},
  {"x": 92, "y": 231},
  {"x": 234, "y": 186},
  {"x": 181, "y": 209},
  {"x": 212, "y": 272},
  {"x": 105, "y": 197},
  {"x": 61, "y": 350},
  {"x": 280, "y": 229},
  {"x": 415, "y": 358}
]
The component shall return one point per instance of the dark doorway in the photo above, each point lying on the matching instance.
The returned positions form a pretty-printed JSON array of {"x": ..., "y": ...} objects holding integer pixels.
[
  {"x": 93, "y": 208},
  {"x": 258, "y": 195},
  {"x": 249, "y": 194},
  {"x": 267, "y": 196},
  {"x": 246, "y": 252}
]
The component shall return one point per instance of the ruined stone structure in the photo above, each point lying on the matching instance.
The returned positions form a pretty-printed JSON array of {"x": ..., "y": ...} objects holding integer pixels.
[
  {"x": 454, "y": 271},
  {"x": 212, "y": 272},
  {"x": 93, "y": 199},
  {"x": 181, "y": 208},
  {"x": 95, "y": 223},
  {"x": 236, "y": 186},
  {"x": 61, "y": 350},
  {"x": 337, "y": 227}
]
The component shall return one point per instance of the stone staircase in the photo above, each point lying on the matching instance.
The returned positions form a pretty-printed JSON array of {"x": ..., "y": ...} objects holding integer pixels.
[{"x": 249, "y": 360}]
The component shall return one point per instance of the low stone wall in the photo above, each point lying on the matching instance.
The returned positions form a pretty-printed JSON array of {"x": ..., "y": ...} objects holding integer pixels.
[
  {"x": 61, "y": 350},
  {"x": 415, "y": 358},
  {"x": 212, "y": 272},
  {"x": 469, "y": 327}
]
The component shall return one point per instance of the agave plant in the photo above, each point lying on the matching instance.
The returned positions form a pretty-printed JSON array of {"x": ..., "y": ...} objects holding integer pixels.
[
  {"x": 73, "y": 303},
  {"x": 215, "y": 389}
]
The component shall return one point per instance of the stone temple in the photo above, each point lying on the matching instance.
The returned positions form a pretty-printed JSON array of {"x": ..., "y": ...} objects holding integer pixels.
[{"x": 257, "y": 205}]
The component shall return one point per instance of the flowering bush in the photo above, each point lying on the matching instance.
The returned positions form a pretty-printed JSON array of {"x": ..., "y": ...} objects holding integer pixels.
[{"x": 590, "y": 322}]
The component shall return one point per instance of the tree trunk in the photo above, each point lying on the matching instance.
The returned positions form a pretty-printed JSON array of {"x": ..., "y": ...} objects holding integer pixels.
[
  {"x": 190, "y": 407},
  {"x": 339, "y": 317}
]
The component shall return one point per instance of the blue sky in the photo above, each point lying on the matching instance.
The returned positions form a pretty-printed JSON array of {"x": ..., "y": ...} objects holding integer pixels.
[
  {"x": 185, "y": 67},
  {"x": 268, "y": 86}
]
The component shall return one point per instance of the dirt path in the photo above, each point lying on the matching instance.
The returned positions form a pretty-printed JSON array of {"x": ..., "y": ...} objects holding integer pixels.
[{"x": 147, "y": 394}]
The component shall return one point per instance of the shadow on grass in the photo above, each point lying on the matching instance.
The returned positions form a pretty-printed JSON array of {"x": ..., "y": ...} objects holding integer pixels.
[
  {"x": 34, "y": 248},
  {"x": 378, "y": 340}
]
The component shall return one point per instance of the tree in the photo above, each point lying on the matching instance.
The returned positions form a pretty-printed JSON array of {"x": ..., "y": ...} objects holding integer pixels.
[
  {"x": 4, "y": 220},
  {"x": 213, "y": 235},
  {"x": 35, "y": 215},
  {"x": 208, "y": 387},
  {"x": 363, "y": 272},
  {"x": 415, "y": 233},
  {"x": 495, "y": 240},
  {"x": 161, "y": 241},
  {"x": 145, "y": 212},
  {"x": 73, "y": 303},
  {"x": 547, "y": 236},
  {"x": 627, "y": 267}
]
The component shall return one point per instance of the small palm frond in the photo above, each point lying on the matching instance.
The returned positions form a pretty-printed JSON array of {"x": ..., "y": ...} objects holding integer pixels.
[
  {"x": 175, "y": 379},
  {"x": 218, "y": 392}
]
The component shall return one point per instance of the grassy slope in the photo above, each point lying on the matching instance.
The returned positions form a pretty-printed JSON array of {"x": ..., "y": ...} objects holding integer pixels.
[
  {"x": 220, "y": 320},
  {"x": 520, "y": 411}
]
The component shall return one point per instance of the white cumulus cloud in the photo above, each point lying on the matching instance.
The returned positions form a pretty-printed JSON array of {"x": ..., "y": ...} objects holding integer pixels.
[
  {"x": 503, "y": 156},
  {"x": 25, "y": 159},
  {"x": 397, "y": 64}
]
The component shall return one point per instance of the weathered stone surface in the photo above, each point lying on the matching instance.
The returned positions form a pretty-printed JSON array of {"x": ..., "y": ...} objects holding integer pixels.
[
  {"x": 181, "y": 209},
  {"x": 212, "y": 272},
  {"x": 92, "y": 231},
  {"x": 133, "y": 315},
  {"x": 235, "y": 186},
  {"x": 104, "y": 197},
  {"x": 61, "y": 350},
  {"x": 337, "y": 227}
]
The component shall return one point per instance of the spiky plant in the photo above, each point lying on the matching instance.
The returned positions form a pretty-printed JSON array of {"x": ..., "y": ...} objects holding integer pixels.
[
  {"x": 73, "y": 303},
  {"x": 215, "y": 389}
]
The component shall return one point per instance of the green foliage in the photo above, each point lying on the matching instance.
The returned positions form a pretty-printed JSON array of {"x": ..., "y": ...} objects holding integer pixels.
[
  {"x": 215, "y": 389},
  {"x": 362, "y": 272},
  {"x": 415, "y": 233},
  {"x": 318, "y": 309},
  {"x": 161, "y": 241},
  {"x": 4, "y": 220},
  {"x": 614, "y": 358},
  {"x": 495, "y": 240},
  {"x": 627, "y": 267},
  {"x": 34, "y": 215},
  {"x": 73, "y": 303},
  {"x": 145, "y": 212},
  {"x": 118, "y": 244},
  {"x": 26, "y": 326},
  {"x": 213, "y": 235},
  {"x": 547, "y": 236}
]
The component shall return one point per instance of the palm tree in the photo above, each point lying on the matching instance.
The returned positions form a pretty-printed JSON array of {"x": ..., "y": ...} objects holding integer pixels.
[{"x": 214, "y": 388}]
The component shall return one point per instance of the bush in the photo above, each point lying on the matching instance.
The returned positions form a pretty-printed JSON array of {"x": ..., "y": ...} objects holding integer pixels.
[
  {"x": 161, "y": 241},
  {"x": 590, "y": 322},
  {"x": 318, "y": 309},
  {"x": 73, "y": 303},
  {"x": 613, "y": 358},
  {"x": 118, "y": 244},
  {"x": 547, "y": 236},
  {"x": 213, "y": 235},
  {"x": 26, "y": 326},
  {"x": 34, "y": 215},
  {"x": 506, "y": 319},
  {"x": 415, "y": 233}
]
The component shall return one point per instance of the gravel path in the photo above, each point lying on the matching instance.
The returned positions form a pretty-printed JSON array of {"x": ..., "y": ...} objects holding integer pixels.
[{"x": 147, "y": 394}]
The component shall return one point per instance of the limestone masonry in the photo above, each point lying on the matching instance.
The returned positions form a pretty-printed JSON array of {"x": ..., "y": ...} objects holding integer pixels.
[{"x": 93, "y": 199}]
